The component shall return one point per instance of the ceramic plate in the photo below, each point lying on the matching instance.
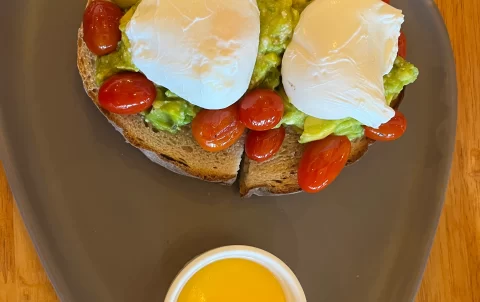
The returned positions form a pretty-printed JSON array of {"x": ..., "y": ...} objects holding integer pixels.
[{"x": 111, "y": 226}]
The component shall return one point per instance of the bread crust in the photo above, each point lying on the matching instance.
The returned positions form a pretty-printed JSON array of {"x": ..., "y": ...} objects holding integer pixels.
[{"x": 176, "y": 152}]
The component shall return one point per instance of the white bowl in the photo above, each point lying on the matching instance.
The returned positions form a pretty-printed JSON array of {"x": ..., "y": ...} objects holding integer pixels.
[{"x": 289, "y": 282}]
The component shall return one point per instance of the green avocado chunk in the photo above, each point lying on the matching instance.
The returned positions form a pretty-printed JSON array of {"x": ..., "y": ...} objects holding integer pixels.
[
  {"x": 291, "y": 115},
  {"x": 317, "y": 129},
  {"x": 402, "y": 74},
  {"x": 170, "y": 114},
  {"x": 277, "y": 22},
  {"x": 115, "y": 62}
]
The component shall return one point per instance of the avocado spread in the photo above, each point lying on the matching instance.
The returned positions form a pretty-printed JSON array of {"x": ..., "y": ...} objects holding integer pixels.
[
  {"x": 277, "y": 22},
  {"x": 170, "y": 113},
  {"x": 278, "y": 19},
  {"x": 402, "y": 74}
]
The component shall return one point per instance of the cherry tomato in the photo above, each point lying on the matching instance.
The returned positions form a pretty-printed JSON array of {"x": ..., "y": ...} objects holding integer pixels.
[
  {"x": 261, "y": 109},
  {"x": 101, "y": 22},
  {"x": 386, "y": 1},
  {"x": 127, "y": 93},
  {"x": 216, "y": 130},
  {"x": 402, "y": 45},
  {"x": 322, "y": 162},
  {"x": 262, "y": 145},
  {"x": 391, "y": 130}
]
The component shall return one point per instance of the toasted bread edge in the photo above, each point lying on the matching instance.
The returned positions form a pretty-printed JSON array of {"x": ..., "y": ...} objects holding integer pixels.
[{"x": 86, "y": 66}]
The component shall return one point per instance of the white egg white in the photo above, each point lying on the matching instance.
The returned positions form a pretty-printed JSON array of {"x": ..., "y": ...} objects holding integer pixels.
[
  {"x": 335, "y": 64},
  {"x": 202, "y": 50}
]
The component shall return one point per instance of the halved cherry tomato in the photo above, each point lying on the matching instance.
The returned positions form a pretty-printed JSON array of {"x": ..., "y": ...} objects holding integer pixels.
[
  {"x": 261, "y": 109},
  {"x": 100, "y": 27},
  {"x": 262, "y": 145},
  {"x": 391, "y": 130},
  {"x": 402, "y": 45},
  {"x": 322, "y": 162},
  {"x": 127, "y": 93},
  {"x": 216, "y": 130}
]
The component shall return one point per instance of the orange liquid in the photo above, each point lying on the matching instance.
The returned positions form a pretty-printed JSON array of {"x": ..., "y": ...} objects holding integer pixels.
[{"x": 233, "y": 280}]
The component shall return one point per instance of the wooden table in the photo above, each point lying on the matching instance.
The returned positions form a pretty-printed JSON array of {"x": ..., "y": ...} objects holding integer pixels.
[{"x": 453, "y": 271}]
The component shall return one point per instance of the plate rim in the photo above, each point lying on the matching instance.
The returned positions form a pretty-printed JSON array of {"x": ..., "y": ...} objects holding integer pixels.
[{"x": 38, "y": 235}]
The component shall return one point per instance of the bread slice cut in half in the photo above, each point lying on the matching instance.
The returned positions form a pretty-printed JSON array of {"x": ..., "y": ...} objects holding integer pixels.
[
  {"x": 181, "y": 154},
  {"x": 278, "y": 176},
  {"x": 177, "y": 152}
]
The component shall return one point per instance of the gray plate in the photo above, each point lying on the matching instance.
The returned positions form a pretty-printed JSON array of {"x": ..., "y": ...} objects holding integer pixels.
[{"x": 111, "y": 226}]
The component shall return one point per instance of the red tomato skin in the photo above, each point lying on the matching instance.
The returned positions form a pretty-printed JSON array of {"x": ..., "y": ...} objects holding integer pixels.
[
  {"x": 261, "y": 109},
  {"x": 216, "y": 130},
  {"x": 390, "y": 131},
  {"x": 322, "y": 162},
  {"x": 101, "y": 31},
  {"x": 402, "y": 45},
  {"x": 127, "y": 93},
  {"x": 263, "y": 145},
  {"x": 386, "y": 1}
]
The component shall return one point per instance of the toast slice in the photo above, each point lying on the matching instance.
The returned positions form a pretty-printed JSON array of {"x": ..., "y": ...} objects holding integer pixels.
[
  {"x": 177, "y": 152},
  {"x": 278, "y": 176}
]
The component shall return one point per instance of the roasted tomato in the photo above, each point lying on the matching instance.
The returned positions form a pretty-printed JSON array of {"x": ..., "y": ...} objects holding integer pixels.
[
  {"x": 127, "y": 93},
  {"x": 391, "y": 130},
  {"x": 100, "y": 27},
  {"x": 216, "y": 130},
  {"x": 261, "y": 109},
  {"x": 322, "y": 162},
  {"x": 262, "y": 145},
  {"x": 402, "y": 45}
]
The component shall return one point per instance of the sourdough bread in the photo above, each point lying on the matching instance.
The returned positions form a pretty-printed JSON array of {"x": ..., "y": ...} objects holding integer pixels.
[
  {"x": 278, "y": 176},
  {"x": 178, "y": 152}
]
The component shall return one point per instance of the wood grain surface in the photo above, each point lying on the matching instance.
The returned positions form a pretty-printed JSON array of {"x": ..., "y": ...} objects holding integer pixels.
[{"x": 453, "y": 270}]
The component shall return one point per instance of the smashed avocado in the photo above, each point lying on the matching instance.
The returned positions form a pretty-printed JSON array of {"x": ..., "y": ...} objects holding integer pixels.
[
  {"x": 291, "y": 115},
  {"x": 278, "y": 19},
  {"x": 317, "y": 129},
  {"x": 402, "y": 73},
  {"x": 277, "y": 22},
  {"x": 115, "y": 62},
  {"x": 170, "y": 114}
]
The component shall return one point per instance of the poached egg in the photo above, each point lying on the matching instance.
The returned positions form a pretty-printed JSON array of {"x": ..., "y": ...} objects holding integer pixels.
[
  {"x": 340, "y": 51},
  {"x": 202, "y": 50}
]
